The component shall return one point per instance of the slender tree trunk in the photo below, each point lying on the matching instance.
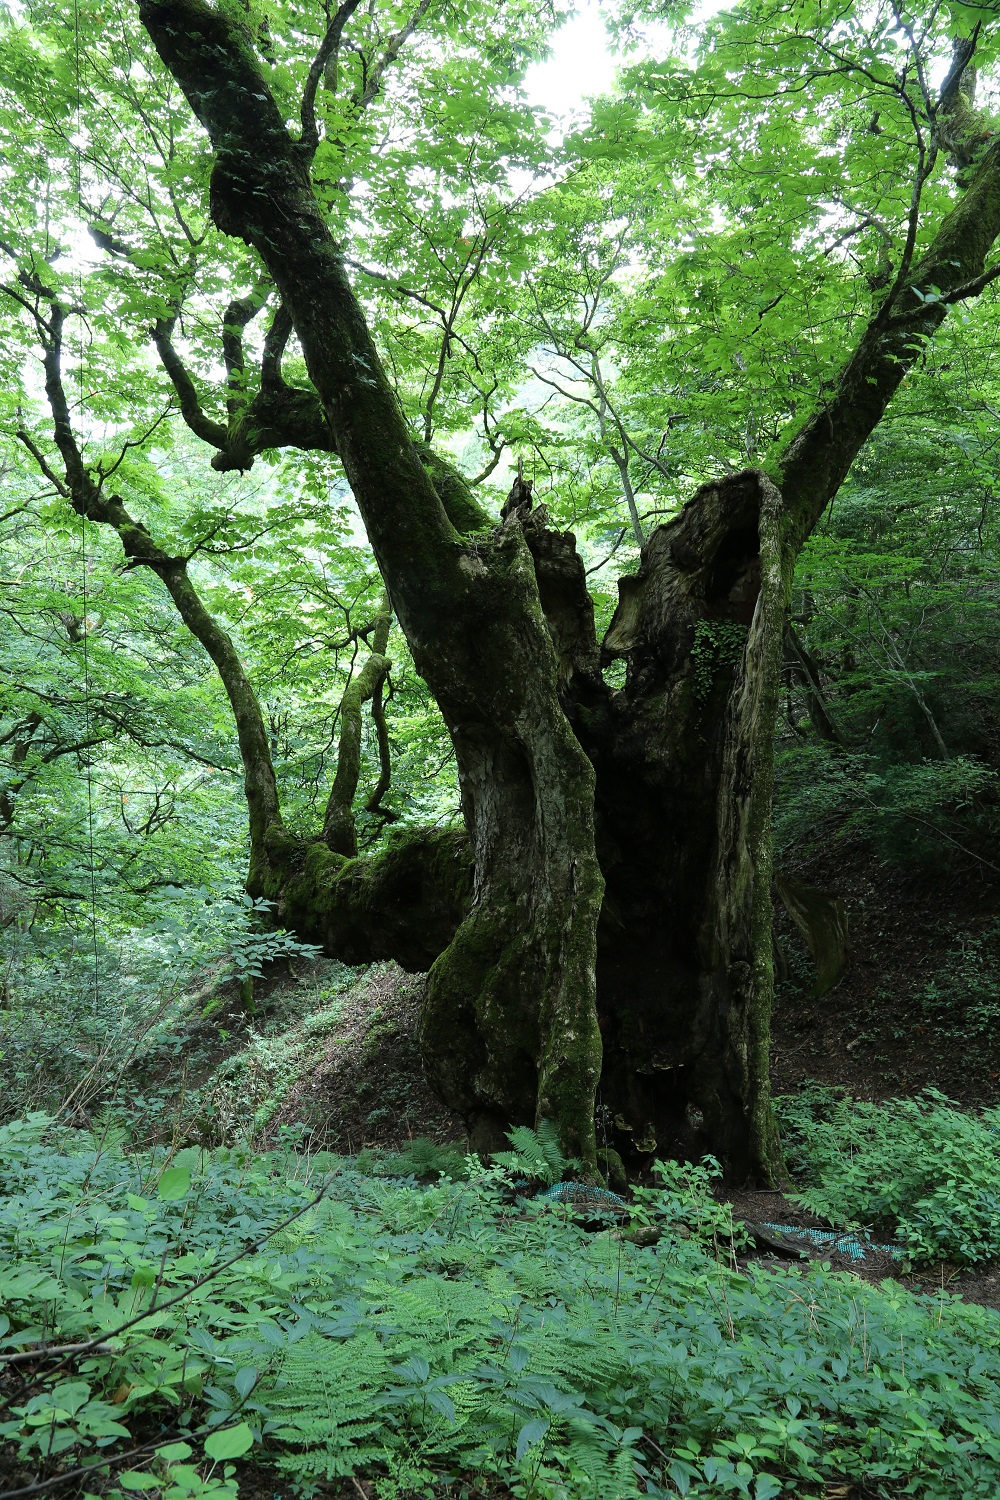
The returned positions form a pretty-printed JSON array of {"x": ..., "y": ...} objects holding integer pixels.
[
  {"x": 802, "y": 665},
  {"x": 141, "y": 550},
  {"x": 339, "y": 830}
]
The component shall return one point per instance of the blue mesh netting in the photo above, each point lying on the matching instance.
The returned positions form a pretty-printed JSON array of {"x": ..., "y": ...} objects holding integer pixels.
[
  {"x": 585, "y": 1196},
  {"x": 826, "y": 1239}
]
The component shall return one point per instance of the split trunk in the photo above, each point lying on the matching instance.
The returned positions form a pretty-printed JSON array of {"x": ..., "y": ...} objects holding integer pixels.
[{"x": 602, "y": 938}]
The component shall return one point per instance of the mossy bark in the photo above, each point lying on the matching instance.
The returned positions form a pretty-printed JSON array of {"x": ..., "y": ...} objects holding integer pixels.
[
  {"x": 524, "y": 960},
  {"x": 683, "y": 762},
  {"x": 405, "y": 902},
  {"x": 509, "y": 1027},
  {"x": 618, "y": 857}
]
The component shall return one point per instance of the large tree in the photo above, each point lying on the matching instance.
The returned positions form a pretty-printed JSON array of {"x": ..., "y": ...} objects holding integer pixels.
[{"x": 606, "y": 924}]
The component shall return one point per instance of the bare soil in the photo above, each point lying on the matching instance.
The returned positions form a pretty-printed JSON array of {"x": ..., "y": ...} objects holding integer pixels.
[
  {"x": 869, "y": 1035},
  {"x": 366, "y": 1086},
  {"x": 979, "y": 1283}
]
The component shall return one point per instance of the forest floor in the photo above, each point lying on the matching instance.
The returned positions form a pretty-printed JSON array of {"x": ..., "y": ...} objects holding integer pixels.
[
  {"x": 877, "y": 1036},
  {"x": 877, "y": 1033},
  {"x": 331, "y": 1062},
  {"x": 365, "y": 1089}
]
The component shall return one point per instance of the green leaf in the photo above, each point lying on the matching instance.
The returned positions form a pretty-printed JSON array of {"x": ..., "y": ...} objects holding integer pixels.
[
  {"x": 174, "y": 1184},
  {"x": 175, "y": 1452},
  {"x": 530, "y": 1433},
  {"x": 230, "y": 1443}
]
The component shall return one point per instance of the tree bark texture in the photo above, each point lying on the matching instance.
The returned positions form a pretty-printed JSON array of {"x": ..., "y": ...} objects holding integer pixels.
[
  {"x": 683, "y": 761},
  {"x": 510, "y": 1015},
  {"x": 608, "y": 923}
]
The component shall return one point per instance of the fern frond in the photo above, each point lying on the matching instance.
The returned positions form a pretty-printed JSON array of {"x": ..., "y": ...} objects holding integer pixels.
[
  {"x": 321, "y": 1397},
  {"x": 537, "y": 1154}
]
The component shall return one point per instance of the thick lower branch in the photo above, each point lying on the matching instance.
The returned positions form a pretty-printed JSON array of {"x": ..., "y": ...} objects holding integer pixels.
[{"x": 405, "y": 903}]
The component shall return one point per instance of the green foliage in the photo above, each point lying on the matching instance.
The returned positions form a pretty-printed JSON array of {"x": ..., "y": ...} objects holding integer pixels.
[
  {"x": 426, "y": 1339},
  {"x": 718, "y": 646},
  {"x": 537, "y": 1155},
  {"x": 107, "y": 1028},
  {"x": 634, "y": 308},
  {"x": 250, "y": 948},
  {"x": 172, "y": 1477},
  {"x": 892, "y": 742},
  {"x": 422, "y": 1158},
  {"x": 683, "y": 1198},
  {"x": 907, "y": 813},
  {"x": 962, "y": 1001},
  {"x": 920, "y": 1170}
]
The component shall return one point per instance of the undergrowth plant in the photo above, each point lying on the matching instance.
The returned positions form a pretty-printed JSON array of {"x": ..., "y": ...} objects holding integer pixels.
[
  {"x": 86, "y": 1026},
  {"x": 919, "y": 1170},
  {"x": 421, "y": 1158},
  {"x": 683, "y": 1201},
  {"x": 435, "y": 1341},
  {"x": 962, "y": 1001},
  {"x": 537, "y": 1156}
]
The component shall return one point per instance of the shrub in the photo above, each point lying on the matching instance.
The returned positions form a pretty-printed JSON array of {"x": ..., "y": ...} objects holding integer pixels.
[{"x": 920, "y": 1170}]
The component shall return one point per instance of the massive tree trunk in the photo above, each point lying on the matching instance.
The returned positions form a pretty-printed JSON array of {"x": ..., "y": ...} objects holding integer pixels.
[
  {"x": 683, "y": 763},
  {"x": 510, "y": 1015},
  {"x": 619, "y": 840},
  {"x": 684, "y": 766}
]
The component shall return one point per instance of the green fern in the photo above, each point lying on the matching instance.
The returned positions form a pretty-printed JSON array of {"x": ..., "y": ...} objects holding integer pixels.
[
  {"x": 421, "y": 1158},
  {"x": 322, "y": 1400},
  {"x": 431, "y": 1312},
  {"x": 595, "y": 1471},
  {"x": 590, "y": 1359},
  {"x": 537, "y": 1154},
  {"x": 417, "y": 1394}
]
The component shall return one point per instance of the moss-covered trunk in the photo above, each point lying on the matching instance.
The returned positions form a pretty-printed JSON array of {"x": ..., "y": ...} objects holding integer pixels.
[
  {"x": 618, "y": 841},
  {"x": 684, "y": 754},
  {"x": 510, "y": 1020},
  {"x": 509, "y": 1028},
  {"x": 683, "y": 763}
]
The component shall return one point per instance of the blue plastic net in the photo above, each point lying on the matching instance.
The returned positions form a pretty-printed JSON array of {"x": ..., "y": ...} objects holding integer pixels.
[
  {"x": 827, "y": 1239},
  {"x": 584, "y": 1195}
]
